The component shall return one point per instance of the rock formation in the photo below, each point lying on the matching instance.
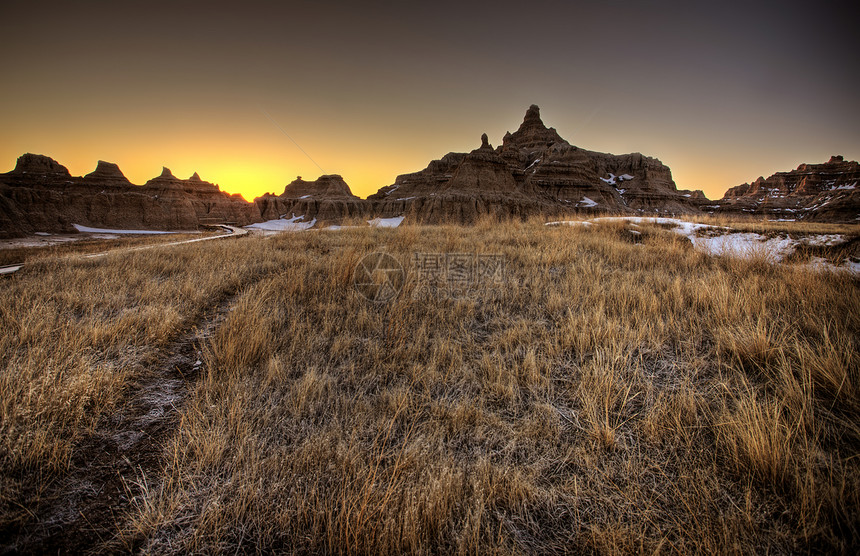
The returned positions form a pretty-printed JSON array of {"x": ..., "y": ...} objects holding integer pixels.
[
  {"x": 40, "y": 195},
  {"x": 820, "y": 192},
  {"x": 327, "y": 199},
  {"x": 533, "y": 171}
]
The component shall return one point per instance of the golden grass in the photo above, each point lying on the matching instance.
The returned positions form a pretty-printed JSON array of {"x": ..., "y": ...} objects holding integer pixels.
[
  {"x": 616, "y": 394},
  {"x": 77, "y": 333}
]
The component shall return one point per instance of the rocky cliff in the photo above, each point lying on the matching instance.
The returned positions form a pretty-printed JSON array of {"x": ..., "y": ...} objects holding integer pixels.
[
  {"x": 40, "y": 195},
  {"x": 533, "y": 171},
  {"x": 818, "y": 192}
]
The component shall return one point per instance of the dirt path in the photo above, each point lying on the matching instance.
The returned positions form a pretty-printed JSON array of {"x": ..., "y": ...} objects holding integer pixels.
[{"x": 81, "y": 511}]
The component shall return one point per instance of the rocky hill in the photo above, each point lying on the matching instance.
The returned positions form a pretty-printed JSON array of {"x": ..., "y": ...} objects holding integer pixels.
[
  {"x": 40, "y": 195},
  {"x": 327, "y": 199},
  {"x": 820, "y": 192},
  {"x": 533, "y": 171}
]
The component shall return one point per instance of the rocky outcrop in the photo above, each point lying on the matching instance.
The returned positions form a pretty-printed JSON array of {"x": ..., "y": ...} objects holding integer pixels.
[
  {"x": 327, "y": 199},
  {"x": 817, "y": 192},
  {"x": 533, "y": 171},
  {"x": 40, "y": 195}
]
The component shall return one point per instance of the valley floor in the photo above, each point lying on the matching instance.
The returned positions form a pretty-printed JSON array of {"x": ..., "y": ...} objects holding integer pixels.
[{"x": 602, "y": 388}]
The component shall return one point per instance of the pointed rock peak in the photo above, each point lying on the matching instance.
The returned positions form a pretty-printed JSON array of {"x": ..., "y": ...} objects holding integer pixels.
[
  {"x": 38, "y": 164},
  {"x": 485, "y": 143},
  {"x": 195, "y": 177},
  {"x": 533, "y": 134},
  {"x": 533, "y": 115},
  {"x": 166, "y": 173}
]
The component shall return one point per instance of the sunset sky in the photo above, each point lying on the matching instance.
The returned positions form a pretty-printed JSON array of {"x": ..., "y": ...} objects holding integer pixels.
[{"x": 722, "y": 92}]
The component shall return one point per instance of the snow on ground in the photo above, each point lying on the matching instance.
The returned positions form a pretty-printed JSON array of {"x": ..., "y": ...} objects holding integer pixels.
[
  {"x": 745, "y": 245},
  {"x": 723, "y": 241},
  {"x": 825, "y": 240},
  {"x": 392, "y": 222},
  {"x": 583, "y": 223},
  {"x": 587, "y": 203},
  {"x": 293, "y": 224},
  {"x": 89, "y": 230},
  {"x": 9, "y": 269}
]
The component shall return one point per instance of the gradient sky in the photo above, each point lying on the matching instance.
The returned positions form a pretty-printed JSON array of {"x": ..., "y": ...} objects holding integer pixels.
[{"x": 722, "y": 92}]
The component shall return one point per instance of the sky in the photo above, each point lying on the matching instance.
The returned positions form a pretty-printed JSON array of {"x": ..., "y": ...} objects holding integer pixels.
[{"x": 252, "y": 94}]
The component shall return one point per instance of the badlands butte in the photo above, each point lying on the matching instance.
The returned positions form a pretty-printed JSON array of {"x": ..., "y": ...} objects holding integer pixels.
[{"x": 533, "y": 172}]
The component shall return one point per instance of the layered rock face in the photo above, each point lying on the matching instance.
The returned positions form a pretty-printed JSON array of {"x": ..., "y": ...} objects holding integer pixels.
[
  {"x": 533, "y": 171},
  {"x": 40, "y": 195},
  {"x": 818, "y": 192},
  {"x": 327, "y": 199}
]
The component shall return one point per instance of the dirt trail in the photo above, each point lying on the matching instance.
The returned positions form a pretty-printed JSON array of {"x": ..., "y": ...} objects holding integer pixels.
[{"x": 81, "y": 511}]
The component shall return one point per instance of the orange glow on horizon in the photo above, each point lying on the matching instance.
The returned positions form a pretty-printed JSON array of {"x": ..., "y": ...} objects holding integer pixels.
[
  {"x": 253, "y": 157},
  {"x": 252, "y": 176}
]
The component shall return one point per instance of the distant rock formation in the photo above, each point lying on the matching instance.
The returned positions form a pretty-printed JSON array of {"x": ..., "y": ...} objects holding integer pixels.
[
  {"x": 533, "y": 171},
  {"x": 107, "y": 174},
  {"x": 40, "y": 195},
  {"x": 328, "y": 199},
  {"x": 818, "y": 192}
]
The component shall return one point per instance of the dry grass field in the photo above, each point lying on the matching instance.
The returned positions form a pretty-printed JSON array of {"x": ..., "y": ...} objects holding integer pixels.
[{"x": 612, "y": 393}]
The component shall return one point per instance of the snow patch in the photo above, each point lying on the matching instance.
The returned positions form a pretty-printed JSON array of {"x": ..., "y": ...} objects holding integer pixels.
[
  {"x": 392, "y": 222},
  {"x": 587, "y": 203},
  {"x": 824, "y": 240},
  {"x": 583, "y": 223},
  {"x": 88, "y": 230},
  {"x": 610, "y": 181},
  {"x": 294, "y": 224}
]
